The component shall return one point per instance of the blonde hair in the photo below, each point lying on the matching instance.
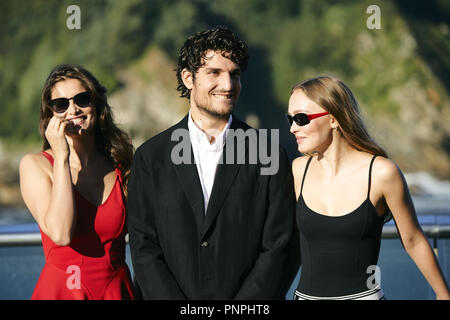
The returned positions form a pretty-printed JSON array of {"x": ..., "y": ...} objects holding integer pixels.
[{"x": 335, "y": 97}]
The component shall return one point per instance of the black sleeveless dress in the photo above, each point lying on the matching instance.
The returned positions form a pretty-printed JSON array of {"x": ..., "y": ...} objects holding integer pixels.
[{"x": 339, "y": 254}]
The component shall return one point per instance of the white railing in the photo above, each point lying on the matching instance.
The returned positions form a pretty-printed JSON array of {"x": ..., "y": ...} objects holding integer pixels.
[{"x": 434, "y": 232}]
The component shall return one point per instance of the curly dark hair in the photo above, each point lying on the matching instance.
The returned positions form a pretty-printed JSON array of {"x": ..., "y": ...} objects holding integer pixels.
[
  {"x": 219, "y": 39},
  {"x": 109, "y": 139}
]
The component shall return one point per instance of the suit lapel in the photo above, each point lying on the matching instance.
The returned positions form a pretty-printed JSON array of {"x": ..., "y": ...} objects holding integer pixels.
[{"x": 190, "y": 181}]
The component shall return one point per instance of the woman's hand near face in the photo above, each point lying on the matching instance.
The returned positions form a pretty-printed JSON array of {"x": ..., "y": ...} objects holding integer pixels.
[{"x": 57, "y": 139}]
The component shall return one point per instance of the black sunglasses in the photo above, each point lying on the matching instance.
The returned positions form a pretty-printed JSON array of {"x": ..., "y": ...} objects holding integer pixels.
[
  {"x": 303, "y": 119},
  {"x": 60, "y": 105}
]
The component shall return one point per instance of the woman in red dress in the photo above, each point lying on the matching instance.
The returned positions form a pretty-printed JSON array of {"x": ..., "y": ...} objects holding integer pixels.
[{"x": 75, "y": 189}]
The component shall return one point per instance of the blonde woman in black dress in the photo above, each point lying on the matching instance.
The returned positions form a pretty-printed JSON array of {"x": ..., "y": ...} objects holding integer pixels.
[{"x": 346, "y": 189}]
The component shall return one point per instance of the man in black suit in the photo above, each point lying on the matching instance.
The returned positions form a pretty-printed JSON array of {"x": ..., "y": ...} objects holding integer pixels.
[{"x": 206, "y": 222}]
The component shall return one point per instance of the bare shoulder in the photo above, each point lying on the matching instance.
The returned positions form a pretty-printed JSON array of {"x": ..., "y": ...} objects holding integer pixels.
[
  {"x": 299, "y": 165},
  {"x": 387, "y": 175},
  {"x": 385, "y": 169},
  {"x": 35, "y": 162}
]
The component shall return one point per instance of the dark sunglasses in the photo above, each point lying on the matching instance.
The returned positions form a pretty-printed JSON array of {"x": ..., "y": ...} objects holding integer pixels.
[
  {"x": 60, "y": 105},
  {"x": 302, "y": 119}
]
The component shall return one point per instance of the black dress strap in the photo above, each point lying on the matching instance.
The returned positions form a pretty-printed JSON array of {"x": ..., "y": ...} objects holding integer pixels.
[
  {"x": 304, "y": 174},
  {"x": 370, "y": 175}
]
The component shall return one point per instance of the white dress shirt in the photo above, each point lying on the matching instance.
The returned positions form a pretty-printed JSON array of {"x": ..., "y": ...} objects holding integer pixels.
[{"x": 206, "y": 155}]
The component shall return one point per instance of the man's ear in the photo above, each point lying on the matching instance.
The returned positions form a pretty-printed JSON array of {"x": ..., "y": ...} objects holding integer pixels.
[{"x": 187, "y": 78}]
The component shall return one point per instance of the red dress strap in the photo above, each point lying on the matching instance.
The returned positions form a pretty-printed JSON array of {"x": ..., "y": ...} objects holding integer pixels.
[
  {"x": 119, "y": 173},
  {"x": 48, "y": 156}
]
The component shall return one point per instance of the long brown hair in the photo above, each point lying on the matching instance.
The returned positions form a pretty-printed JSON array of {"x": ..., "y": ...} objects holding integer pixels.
[
  {"x": 335, "y": 97},
  {"x": 109, "y": 139}
]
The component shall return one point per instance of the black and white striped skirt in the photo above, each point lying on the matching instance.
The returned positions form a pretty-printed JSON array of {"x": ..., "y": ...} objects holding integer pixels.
[{"x": 373, "y": 294}]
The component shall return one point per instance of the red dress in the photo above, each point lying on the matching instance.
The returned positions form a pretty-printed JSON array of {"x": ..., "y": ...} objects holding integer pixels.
[{"x": 92, "y": 266}]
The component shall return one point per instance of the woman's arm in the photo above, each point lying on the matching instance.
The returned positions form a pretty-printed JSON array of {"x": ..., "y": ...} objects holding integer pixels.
[
  {"x": 398, "y": 199},
  {"x": 47, "y": 191}
]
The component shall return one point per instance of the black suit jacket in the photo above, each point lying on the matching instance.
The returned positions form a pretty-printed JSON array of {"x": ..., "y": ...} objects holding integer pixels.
[{"x": 238, "y": 250}]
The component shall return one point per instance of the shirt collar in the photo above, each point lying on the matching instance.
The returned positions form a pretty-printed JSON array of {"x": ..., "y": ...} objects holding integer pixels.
[{"x": 201, "y": 138}]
